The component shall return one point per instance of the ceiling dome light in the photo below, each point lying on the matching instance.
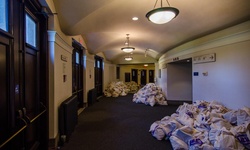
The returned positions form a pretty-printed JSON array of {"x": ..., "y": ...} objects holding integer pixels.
[
  {"x": 162, "y": 15},
  {"x": 128, "y": 58},
  {"x": 127, "y": 48},
  {"x": 135, "y": 18}
]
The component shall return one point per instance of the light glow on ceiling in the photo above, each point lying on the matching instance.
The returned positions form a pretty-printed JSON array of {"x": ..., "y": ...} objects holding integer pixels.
[{"x": 135, "y": 18}]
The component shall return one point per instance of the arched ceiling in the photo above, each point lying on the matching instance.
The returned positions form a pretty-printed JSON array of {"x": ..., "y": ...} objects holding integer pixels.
[{"x": 105, "y": 23}]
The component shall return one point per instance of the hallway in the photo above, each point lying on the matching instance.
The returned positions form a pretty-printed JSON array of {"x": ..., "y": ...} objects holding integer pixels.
[{"x": 118, "y": 123}]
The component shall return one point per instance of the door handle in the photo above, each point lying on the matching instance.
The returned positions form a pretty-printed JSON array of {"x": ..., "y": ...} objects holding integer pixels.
[
  {"x": 25, "y": 117},
  {"x": 20, "y": 116}
]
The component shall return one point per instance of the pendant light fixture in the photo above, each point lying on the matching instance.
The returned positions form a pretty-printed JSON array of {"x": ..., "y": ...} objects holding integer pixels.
[
  {"x": 163, "y": 14},
  {"x": 128, "y": 58},
  {"x": 127, "y": 48}
]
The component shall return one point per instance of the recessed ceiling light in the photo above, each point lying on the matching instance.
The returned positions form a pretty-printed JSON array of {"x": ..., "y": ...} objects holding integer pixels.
[{"x": 135, "y": 18}]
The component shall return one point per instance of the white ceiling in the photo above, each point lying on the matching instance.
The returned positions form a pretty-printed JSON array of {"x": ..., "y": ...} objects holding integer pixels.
[{"x": 105, "y": 23}]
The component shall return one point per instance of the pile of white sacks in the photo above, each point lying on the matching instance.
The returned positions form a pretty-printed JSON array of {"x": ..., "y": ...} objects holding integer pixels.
[
  {"x": 115, "y": 89},
  {"x": 150, "y": 94},
  {"x": 132, "y": 86},
  {"x": 205, "y": 126}
]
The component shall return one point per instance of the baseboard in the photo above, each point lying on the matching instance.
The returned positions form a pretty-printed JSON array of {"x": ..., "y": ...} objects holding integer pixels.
[
  {"x": 53, "y": 143},
  {"x": 80, "y": 110},
  {"x": 99, "y": 97},
  {"x": 178, "y": 102}
]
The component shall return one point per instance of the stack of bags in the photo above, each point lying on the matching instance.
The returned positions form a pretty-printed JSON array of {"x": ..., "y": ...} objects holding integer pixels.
[
  {"x": 205, "y": 125},
  {"x": 150, "y": 94},
  {"x": 115, "y": 89},
  {"x": 132, "y": 85}
]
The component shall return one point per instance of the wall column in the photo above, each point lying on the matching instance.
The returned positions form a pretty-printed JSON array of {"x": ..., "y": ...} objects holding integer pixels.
[{"x": 51, "y": 64}]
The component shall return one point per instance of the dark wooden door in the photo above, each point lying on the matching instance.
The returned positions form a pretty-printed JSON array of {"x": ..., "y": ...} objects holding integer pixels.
[
  {"x": 127, "y": 77},
  {"x": 98, "y": 75},
  {"x": 32, "y": 75},
  {"x": 135, "y": 75},
  {"x": 23, "y": 94},
  {"x": 4, "y": 88},
  {"x": 143, "y": 77},
  {"x": 77, "y": 72},
  {"x": 151, "y": 76}
]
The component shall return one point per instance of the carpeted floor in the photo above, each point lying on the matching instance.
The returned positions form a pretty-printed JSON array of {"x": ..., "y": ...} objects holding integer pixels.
[{"x": 118, "y": 124}]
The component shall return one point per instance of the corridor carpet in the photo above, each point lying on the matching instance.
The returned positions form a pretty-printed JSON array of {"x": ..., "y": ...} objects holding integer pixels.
[{"x": 118, "y": 124}]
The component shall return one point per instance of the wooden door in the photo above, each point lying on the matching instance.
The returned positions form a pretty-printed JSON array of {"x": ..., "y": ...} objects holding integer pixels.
[
  {"x": 151, "y": 76},
  {"x": 5, "y": 115},
  {"x": 135, "y": 75},
  {"x": 143, "y": 77},
  {"x": 23, "y": 94},
  {"x": 77, "y": 72},
  {"x": 98, "y": 75},
  {"x": 32, "y": 74},
  {"x": 127, "y": 77}
]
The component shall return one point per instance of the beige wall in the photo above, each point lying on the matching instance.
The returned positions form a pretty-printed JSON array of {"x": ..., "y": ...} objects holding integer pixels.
[
  {"x": 228, "y": 77},
  {"x": 59, "y": 89},
  {"x": 162, "y": 80},
  {"x": 109, "y": 74},
  {"x": 63, "y": 90},
  {"x": 89, "y": 77}
]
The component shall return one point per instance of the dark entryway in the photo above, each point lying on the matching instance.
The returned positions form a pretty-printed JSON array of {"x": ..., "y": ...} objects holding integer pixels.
[{"x": 179, "y": 81}]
